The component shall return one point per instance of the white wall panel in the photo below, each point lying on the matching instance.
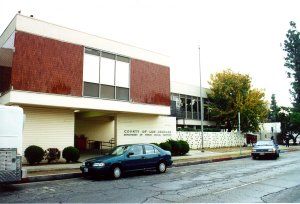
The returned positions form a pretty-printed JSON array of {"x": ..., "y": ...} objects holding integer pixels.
[
  {"x": 138, "y": 128},
  {"x": 48, "y": 127}
]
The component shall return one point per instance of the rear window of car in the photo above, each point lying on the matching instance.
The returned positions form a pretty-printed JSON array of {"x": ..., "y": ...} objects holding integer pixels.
[
  {"x": 149, "y": 149},
  {"x": 264, "y": 143}
]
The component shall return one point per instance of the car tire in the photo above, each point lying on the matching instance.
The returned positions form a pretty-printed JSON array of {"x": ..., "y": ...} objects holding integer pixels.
[
  {"x": 116, "y": 172},
  {"x": 254, "y": 157},
  {"x": 161, "y": 167}
]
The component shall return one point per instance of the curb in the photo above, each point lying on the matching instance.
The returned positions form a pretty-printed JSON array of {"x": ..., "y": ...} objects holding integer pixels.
[
  {"x": 61, "y": 176},
  {"x": 50, "y": 177},
  {"x": 208, "y": 161}
]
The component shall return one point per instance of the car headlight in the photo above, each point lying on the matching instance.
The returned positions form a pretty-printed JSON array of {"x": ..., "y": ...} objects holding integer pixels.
[
  {"x": 98, "y": 164},
  {"x": 253, "y": 150},
  {"x": 83, "y": 163},
  {"x": 271, "y": 150}
]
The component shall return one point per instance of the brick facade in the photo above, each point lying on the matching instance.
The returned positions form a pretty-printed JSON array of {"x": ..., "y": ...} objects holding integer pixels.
[
  {"x": 149, "y": 83},
  {"x": 5, "y": 78},
  {"x": 45, "y": 65}
]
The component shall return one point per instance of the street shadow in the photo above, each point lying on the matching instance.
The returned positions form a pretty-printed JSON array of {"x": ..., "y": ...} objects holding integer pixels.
[
  {"x": 125, "y": 176},
  {"x": 9, "y": 188}
]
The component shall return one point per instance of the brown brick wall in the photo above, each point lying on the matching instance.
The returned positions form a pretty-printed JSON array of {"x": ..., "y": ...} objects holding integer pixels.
[
  {"x": 46, "y": 65},
  {"x": 5, "y": 78},
  {"x": 150, "y": 83}
]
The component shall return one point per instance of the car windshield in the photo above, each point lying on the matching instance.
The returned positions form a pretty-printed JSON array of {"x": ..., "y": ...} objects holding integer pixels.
[
  {"x": 118, "y": 150},
  {"x": 264, "y": 143}
]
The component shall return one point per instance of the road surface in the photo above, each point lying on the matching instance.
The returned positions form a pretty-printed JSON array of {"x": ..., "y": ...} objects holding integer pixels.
[{"x": 242, "y": 180}]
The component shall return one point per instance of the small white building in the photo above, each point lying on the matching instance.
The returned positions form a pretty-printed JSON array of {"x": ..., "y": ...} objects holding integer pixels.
[{"x": 267, "y": 130}]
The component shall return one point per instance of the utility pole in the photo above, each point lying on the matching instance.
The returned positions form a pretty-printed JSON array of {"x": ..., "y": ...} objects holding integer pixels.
[
  {"x": 239, "y": 131},
  {"x": 201, "y": 105}
]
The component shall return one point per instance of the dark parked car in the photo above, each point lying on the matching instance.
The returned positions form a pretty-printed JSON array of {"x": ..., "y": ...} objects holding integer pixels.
[
  {"x": 265, "y": 148},
  {"x": 125, "y": 158}
]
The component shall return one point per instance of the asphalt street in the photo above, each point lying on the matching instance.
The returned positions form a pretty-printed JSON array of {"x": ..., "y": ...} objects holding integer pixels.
[{"x": 241, "y": 180}]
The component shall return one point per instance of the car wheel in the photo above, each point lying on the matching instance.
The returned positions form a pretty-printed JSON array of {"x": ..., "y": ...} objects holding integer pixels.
[
  {"x": 161, "y": 167},
  {"x": 116, "y": 172},
  {"x": 253, "y": 157}
]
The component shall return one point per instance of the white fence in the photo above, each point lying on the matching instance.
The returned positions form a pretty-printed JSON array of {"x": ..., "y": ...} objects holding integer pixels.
[{"x": 211, "y": 139}]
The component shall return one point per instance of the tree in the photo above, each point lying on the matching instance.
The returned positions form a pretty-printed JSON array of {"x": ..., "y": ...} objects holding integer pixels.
[
  {"x": 274, "y": 109},
  {"x": 231, "y": 93},
  {"x": 292, "y": 62},
  {"x": 290, "y": 125}
]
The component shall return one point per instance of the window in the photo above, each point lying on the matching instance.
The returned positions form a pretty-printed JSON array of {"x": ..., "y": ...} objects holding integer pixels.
[
  {"x": 194, "y": 105},
  {"x": 182, "y": 107},
  {"x": 107, "y": 91},
  {"x": 149, "y": 149},
  {"x": 122, "y": 94},
  {"x": 137, "y": 150},
  {"x": 107, "y": 69},
  {"x": 91, "y": 89},
  {"x": 91, "y": 68},
  {"x": 106, "y": 75},
  {"x": 122, "y": 72},
  {"x": 189, "y": 107}
]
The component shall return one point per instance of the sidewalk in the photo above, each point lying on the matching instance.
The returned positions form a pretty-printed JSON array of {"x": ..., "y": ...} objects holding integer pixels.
[{"x": 64, "y": 171}]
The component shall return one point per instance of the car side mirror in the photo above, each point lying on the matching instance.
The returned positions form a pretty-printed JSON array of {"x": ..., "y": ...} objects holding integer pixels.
[{"x": 130, "y": 154}]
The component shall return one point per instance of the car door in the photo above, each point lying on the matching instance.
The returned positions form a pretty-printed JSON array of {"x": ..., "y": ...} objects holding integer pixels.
[
  {"x": 134, "y": 158},
  {"x": 151, "y": 156}
]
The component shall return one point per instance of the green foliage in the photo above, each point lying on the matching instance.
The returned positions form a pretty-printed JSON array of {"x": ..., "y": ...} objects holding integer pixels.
[
  {"x": 185, "y": 147},
  {"x": 166, "y": 146},
  {"x": 290, "y": 123},
  {"x": 71, "y": 154},
  {"x": 292, "y": 62},
  {"x": 231, "y": 93},
  {"x": 175, "y": 147},
  {"x": 274, "y": 109},
  {"x": 34, "y": 154},
  {"x": 179, "y": 147}
]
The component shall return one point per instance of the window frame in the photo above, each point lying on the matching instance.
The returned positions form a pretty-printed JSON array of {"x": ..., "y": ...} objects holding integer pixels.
[{"x": 99, "y": 51}]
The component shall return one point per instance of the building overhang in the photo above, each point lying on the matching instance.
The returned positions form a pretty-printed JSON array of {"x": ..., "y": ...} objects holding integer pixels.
[
  {"x": 194, "y": 122},
  {"x": 80, "y": 103}
]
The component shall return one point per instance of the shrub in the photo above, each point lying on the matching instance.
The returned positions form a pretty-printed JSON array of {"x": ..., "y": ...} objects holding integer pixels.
[
  {"x": 52, "y": 154},
  {"x": 185, "y": 147},
  {"x": 175, "y": 147},
  {"x": 71, "y": 154},
  {"x": 34, "y": 154},
  {"x": 166, "y": 146}
]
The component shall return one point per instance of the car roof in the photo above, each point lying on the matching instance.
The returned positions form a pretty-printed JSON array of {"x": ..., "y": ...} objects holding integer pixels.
[{"x": 136, "y": 144}]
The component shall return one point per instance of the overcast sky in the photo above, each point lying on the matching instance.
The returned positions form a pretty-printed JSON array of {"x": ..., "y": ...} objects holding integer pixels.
[{"x": 242, "y": 35}]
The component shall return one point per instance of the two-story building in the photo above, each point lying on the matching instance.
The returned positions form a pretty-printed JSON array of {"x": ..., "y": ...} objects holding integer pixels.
[{"x": 73, "y": 83}]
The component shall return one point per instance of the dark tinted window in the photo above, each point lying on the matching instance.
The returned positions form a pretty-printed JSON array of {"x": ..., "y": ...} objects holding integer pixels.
[
  {"x": 122, "y": 93},
  {"x": 91, "y": 89},
  {"x": 107, "y": 92}
]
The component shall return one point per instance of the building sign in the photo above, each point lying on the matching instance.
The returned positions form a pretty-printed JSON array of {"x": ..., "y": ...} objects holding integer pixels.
[{"x": 151, "y": 133}]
